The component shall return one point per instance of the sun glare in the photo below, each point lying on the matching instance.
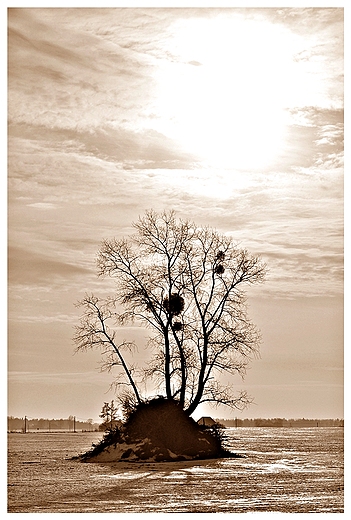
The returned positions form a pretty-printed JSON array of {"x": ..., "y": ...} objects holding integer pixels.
[{"x": 224, "y": 96}]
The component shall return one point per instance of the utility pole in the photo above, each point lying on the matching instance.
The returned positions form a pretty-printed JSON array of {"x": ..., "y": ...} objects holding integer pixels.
[
  {"x": 74, "y": 424},
  {"x": 25, "y": 424}
]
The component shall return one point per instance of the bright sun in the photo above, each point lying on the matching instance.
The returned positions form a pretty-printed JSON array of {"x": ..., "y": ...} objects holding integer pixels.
[{"x": 224, "y": 96}]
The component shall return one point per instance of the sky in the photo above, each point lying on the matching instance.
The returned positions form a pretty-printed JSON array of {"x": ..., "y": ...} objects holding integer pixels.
[{"x": 233, "y": 118}]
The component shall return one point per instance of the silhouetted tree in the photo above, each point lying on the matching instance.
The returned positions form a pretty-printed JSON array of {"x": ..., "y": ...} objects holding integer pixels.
[{"x": 186, "y": 284}]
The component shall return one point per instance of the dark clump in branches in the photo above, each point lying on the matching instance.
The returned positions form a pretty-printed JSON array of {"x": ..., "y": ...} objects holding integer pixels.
[
  {"x": 177, "y": 326},
  {"x": 174, "y": 305},
  {"x": 219, "y": 269}
]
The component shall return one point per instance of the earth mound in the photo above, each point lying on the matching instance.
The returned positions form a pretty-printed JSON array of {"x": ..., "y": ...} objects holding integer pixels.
[{"x": 158, "y": 431}]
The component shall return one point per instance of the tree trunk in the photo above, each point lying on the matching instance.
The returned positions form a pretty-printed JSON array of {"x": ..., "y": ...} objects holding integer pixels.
[
  {"x": 201, "y": 382},
  {"x": 167, "y": 363}
]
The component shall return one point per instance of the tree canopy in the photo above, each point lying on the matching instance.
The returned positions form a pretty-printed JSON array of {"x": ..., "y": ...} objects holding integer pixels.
[{"x": 186, "y": 284}]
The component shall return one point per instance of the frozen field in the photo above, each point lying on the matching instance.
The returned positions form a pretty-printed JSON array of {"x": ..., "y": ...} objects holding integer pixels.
[{"x": 284, "y": 470}]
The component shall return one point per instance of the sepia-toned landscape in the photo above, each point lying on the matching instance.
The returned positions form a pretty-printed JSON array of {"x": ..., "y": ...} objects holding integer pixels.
[{"x": 175, "y": 259}]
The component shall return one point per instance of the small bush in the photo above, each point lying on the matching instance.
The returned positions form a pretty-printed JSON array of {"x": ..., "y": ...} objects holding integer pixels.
[{"x": 111, "y": 437}]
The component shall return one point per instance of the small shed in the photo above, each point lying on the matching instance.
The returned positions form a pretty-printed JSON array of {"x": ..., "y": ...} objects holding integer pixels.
[{"x": 206, "y": 421}]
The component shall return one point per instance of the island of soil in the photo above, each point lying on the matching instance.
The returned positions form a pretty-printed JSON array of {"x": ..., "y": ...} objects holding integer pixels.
[{"x": 158, "y": 431}]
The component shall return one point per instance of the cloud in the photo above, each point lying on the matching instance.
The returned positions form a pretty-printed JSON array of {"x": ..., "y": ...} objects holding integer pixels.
[
  {"x": 80, "y": 78},
  {"x": 315, "y": 137},
  {"x": 29, "y": 268},
  {"x": 309, "y": 20},
  {"x": 56, "y": 378},
  {"x": 42, "y": 205},
  {"x": 143, "y": 149}
]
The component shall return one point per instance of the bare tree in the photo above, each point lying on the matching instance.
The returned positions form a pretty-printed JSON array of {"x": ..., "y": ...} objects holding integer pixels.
[
  {"x": 186, "y": 284},
  {"x": 109, "y": 414}
]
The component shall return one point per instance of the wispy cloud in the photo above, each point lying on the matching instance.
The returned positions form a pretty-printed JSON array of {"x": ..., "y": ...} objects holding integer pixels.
[
  {"x": 42, "y": 205},
  {"x": 54, "y": 378},
  {"x": 27, "y": 267}
]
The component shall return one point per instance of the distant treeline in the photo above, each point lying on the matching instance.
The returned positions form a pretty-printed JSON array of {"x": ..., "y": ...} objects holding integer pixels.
[
  {"x": 70, "y": 424},
  {"x": 282, "y": 423}
]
